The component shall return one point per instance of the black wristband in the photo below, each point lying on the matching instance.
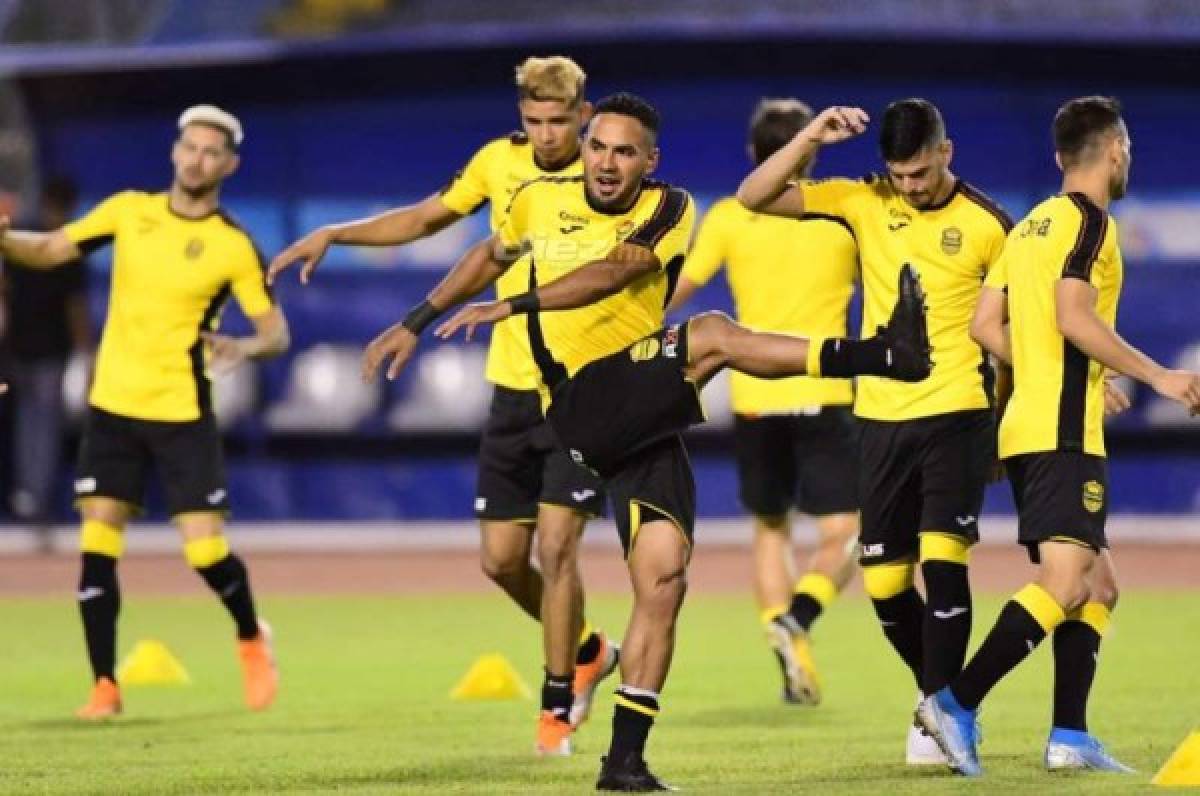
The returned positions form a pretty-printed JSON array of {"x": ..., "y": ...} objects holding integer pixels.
[
  {"x": 525, "y": 303},
  {"x": 420, "y": 316}
]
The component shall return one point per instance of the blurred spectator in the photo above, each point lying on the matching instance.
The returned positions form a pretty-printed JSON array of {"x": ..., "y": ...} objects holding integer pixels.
[{"x": 47, "y": 322}]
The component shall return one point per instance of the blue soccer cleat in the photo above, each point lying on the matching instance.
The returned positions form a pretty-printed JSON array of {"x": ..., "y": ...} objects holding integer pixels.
[
  {"x": 1068, "y": 750},
  {"x": 954, "y": 729}
]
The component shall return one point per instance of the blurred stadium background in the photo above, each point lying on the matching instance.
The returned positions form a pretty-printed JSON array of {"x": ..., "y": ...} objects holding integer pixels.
[{"x": 355, "y": 106}]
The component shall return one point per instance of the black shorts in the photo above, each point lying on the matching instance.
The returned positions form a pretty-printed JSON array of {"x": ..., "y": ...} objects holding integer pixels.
[
  {"x": 521, "y": 465},
  {"x": 806, "y": 461},
  {"x": 1059, "y": 495},
  {"x": 927, "y": 474},
  {"x": 117, "y": 452},
  {"x": 655, "y": 483},
  {"x": 625, "y": 402}
]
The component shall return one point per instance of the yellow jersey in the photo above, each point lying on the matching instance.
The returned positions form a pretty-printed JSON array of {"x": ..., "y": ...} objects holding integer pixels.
[
  {"x": 1058, "y": 396},
  {"x": 953, "y": 247},
  {"x": 493, "y": 175},
  {"x": 789, "y": 276},
  {"x": 553, "y": 221},
  {"x": 171, "y": 276}
]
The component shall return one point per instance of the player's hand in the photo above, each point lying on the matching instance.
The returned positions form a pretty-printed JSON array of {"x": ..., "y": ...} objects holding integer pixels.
[
  {"x": 397, "y": 342},
  {"x": 1115, "y": 399},
  {"x": 836, "y": 124},
  {"x": 1180, "y": 385},
  {"x": 308, "y": 250},
  {"x": 473, "y": 315},
  {"x": 227, "y": 352}
]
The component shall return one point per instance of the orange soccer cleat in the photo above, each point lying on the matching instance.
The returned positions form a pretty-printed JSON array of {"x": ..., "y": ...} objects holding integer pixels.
[
  {"x": 589, "y": 675},
  {"x": 104, "y": 702},
  {"x": 259, "y": 675},
  {"x": 553, "y": 736}
]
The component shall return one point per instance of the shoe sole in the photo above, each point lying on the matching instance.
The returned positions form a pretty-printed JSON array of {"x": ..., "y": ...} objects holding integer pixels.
[
  {"x": 932, "y": 729},
  {"x": 581, "y": 707},
  {"x": 799, "y": 689}
]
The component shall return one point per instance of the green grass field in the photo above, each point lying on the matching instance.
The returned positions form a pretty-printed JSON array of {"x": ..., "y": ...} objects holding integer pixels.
[{"x": 364, "y": 705}]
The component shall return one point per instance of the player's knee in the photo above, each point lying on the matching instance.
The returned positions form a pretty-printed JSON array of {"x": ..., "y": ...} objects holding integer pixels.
[
  {"x": 710, "y": 334},
  {"x": 556, "y": 553},
  {"x": 1106, "y": 593},
  {"x": 838, "y": 532},
  {"x": 502, "y": 566},
  {"x": 884, "y": 581},
  {"x": 665, "y": 591}
]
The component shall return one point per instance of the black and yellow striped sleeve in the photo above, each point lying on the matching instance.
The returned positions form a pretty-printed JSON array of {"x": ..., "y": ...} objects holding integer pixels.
[
  {"x": 98, "y": 227},
  {"x": 669, "y": 229},
  {"x": 1089, "y": 239}
]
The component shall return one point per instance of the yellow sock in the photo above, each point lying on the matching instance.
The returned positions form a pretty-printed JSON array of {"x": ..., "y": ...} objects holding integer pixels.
[
  {"x": 205, "y": 551},
  {"x": 819, "y": 586},
  {"x": 96, "y": 536},
  {"x": 1041, "y": 606}
]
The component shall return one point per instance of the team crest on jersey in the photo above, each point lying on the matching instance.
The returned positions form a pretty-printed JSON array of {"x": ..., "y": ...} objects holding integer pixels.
[
  {"x": 194, "y": 248},
  {"x": 624, "y": 229},
  {"x": 1093, "y": 496},
  {"x": 643, "y": 350},
  {"x": 951, "y": 240}
]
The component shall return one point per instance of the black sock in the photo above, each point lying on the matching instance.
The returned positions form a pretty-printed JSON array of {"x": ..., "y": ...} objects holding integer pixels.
[
  {"x": 947, "y": 622},
  {"x": 633, "y": 716},
  {"x": 844, "y": 358},
  {"x": 1015, "y": 635},
  {"x": 557, "y": 696},
  {"x": 902, "y": 618},
  {"x": 229, "y": 580},
  {"x": 805, "y": 609},
  {"x": 589, "y": 649},
  {"x": 1076, "y": 646},
  {"x": 99, "y": 603}
]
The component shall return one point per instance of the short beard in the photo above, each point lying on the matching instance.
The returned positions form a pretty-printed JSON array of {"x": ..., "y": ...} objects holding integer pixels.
[
  {"x": 616, "y": 204},
  {"x": 1118, "y": 187},
  {"x": 202, "y": 191}
]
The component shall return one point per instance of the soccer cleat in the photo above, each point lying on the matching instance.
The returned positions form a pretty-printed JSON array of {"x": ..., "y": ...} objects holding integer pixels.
[
  {"x": 801, "y": 684},
  {"x": 104, "y": 701},
  {"x": 629, "y": 775},
  {"x": 553, "y": 736},
  {"x": 260, "y": 677},
  {"x": 954, "y": 729},
  {"x": 589, "y": 675},
  {"x": 906, "y": 333},
  {"x": 921, "y": 748},
  {"x": 1072, "y": 749}
]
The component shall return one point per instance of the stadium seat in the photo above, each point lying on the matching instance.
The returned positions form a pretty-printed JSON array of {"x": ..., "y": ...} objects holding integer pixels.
[
  {"x": 449, "y": 391},
  {"x": 325, "y": 392}
]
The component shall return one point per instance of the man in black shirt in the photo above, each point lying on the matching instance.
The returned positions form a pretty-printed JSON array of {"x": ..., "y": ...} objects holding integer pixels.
[{"x": 47, "y": 322}]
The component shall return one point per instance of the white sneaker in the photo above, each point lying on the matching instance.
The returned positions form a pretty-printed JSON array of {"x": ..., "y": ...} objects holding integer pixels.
[{"x": 922, "y": 750}]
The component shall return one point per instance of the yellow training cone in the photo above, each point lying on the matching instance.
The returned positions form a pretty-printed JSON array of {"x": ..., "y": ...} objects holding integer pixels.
[
  {"x": 151, "y": 663},
  {"x": 491, "y": 677},
  {"x": 1183, "y": 766}
]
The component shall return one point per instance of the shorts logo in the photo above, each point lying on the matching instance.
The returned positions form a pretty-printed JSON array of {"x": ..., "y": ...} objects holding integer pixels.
[
  {"x": 671, "y": 342},
  {"x": 872, "y": 550},
  {"x": 951, "y": 240},
  {"x": 582, "y": 494},
  {"x": 965, "y": 521},
  {"x": 215, "y": 497},
  {"x": 481, "y": 504},
  {"x": 1093, "y": 496},
  {"x": 195, "y": 247},
  {"x": 643, "y": 350},
  {"x": 85, "y": 485},
  {"x": 577, "y": 457}
]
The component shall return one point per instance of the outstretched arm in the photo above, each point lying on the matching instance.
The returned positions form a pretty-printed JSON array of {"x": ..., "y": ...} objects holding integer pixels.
[
  {"x": 36, "y": 249},
  {"x": 482, "y": 265},
  {"x": 769, "y": 188},
  {"x": 391, "y": 228},
  {"x": 587, "y": 284}
]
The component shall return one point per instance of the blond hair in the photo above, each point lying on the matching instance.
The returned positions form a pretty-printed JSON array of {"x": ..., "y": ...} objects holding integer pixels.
[{"x": 554, "y": 77}]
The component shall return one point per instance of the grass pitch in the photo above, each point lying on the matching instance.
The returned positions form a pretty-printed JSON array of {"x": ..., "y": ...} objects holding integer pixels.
[{"x": 364, "y": 705}]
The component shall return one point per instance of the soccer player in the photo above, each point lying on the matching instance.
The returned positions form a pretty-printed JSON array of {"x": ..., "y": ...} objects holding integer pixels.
[
  {"x": 1064, "y": 271},
  {"x": 177, "y": 257},
  {"x": 795, "y": 441},
  {"x": 619, "y": 387},
  {"x": 524, "y": 483},
  {"x": 927, "y": 448}
]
